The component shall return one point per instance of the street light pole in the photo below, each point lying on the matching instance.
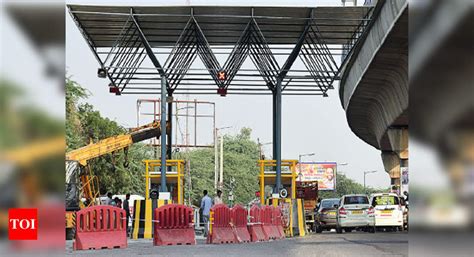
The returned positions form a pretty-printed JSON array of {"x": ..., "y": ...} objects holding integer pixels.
[
  {"x": 218, "y": 169},
  {"x": 215, "y": 158},
  {"x": 365, "y": 174},
  {"x": 221, "y": 168}
]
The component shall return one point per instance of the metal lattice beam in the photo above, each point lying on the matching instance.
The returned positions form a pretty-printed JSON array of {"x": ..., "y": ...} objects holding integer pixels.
[{"x": 310, "y": 36}]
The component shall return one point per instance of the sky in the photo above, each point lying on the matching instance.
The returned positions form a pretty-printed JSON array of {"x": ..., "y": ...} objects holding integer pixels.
[{"x": 311, "y": 124}]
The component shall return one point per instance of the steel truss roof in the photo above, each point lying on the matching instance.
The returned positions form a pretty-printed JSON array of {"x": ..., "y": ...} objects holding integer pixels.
[{"x": 195, "y": 44}]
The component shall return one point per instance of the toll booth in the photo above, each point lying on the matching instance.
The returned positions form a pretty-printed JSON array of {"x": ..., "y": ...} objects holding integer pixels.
[
  {"x": 268, "y": 176},
  {"x": 174, "y": 178},
  {"x": 292, "y": 206}
]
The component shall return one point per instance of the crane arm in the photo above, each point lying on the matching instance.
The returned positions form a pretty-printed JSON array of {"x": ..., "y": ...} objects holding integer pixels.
[{"x": 112, "y": 144}]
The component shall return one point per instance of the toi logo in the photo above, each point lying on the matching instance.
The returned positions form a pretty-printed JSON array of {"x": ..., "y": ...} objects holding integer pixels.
[{"x": 23, "y": 224}]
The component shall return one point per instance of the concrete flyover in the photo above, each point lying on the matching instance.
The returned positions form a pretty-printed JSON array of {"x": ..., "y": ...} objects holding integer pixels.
[
  {"x": 374, "y": 85},
  {"x": 441, "y": 86}
]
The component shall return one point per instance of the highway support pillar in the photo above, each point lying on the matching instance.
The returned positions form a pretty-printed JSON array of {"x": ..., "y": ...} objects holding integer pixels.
[
  {"x": 163, "y": 134},
  {"x": 396, "y": 160},
  {"x": 159, "y": 68},
  {"x": 169, "y": 146},
  {"x": 277, "y": 134}
]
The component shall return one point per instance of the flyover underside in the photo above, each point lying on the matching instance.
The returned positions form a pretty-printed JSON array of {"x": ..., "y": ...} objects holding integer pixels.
[
  {"x": 441, "y": 86},
  {"x": 374, "y": 87}
]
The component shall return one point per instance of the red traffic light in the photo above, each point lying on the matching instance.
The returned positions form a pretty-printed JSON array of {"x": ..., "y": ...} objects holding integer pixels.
[{"x": 222, "y": 75}]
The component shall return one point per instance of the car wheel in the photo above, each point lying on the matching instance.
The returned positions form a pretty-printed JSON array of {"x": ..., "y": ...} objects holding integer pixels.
[
  {"x": 371, "y": 229},
  {"x": 348, "y": 230},
  {"x": 319, "y": 229},
  {"x": 339, "y": 230}
]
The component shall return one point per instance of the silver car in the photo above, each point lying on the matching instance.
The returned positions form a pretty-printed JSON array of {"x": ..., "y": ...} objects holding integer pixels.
[{"x": 354, "y": 211}]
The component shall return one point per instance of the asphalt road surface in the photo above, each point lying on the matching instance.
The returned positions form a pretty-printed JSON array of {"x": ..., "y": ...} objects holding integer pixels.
[{"x": 326, "y": 244}]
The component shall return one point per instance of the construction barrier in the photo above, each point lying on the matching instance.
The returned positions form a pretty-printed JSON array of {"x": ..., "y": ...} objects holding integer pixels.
[
  {"x": 239, "y": 222},
  {"x": 143, "y": 217},
  {"x": 269, "y": 227},
  {"x": 278, "y": 222},
  {"x": 174, "y": 225},
  {"x": 255, "y": 226},
  {"x": 221, "y": 231},
  {"x": 100, "y": 227}
]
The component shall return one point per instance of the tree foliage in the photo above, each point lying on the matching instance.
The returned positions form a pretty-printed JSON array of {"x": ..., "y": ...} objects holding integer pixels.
[
  {"x": 345, "y": 186},
  {"x": 240, "y": 164},
  {"x": 20, "y": 121},
  {"x": 85, "y": 124}
]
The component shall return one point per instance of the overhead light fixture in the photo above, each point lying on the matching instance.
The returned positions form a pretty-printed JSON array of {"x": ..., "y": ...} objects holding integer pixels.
[{"x": 101, "y": 73}]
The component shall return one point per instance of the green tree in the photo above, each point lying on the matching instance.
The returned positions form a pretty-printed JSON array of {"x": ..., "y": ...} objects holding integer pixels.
[
  {"x": 345, "y": 186},
  {"x": 85, "y": 124},
  {"x": 240, "y": 160}
]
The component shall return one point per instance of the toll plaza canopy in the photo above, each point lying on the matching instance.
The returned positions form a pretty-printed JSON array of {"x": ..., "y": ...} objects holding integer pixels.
[
  {"x": 222, "y": 50},
  {"x": 270, "y": 39}
]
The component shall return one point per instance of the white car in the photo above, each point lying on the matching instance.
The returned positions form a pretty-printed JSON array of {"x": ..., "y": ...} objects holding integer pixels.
[
  {"x": 354, "y": 211},
  {"x": 388, "y": 210}
]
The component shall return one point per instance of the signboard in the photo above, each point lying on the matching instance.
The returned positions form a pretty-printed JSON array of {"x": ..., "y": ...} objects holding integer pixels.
[
  {"x": 404, "y": 179},
  {"x": 323, "y": 172}
]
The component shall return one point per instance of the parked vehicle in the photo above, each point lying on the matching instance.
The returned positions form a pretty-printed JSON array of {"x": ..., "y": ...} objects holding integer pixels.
[
  {"x": 326, "y": 214},
  {"x": 353, "y": 212},
  {"x": 388, "y": 211}
]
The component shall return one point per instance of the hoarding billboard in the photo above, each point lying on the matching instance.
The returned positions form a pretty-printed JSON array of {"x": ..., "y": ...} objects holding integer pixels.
[
  {"x": 323, "y": 172},
  {"x": 404, "y": 179}
]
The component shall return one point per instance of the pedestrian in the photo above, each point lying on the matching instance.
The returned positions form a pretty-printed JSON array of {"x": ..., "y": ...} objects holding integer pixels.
[
  {"x": 405, "y": 195},
  {"x": 218, "y": 198},
  {"x": 109, "y": 200},
  {"x": 206, "y": 204},
  {"x": 126, "y": 207},
  {"x": 118, "y": 202}
]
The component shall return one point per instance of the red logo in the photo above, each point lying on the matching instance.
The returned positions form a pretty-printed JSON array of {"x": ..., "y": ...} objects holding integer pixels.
[{"x": 22, "y": 224}]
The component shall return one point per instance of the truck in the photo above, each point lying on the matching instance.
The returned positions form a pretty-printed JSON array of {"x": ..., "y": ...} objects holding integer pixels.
[{"x": 308, "y": 191}]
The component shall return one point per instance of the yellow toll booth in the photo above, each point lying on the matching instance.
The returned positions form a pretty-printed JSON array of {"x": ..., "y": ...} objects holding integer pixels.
[
  {"x": 290, "y": 204},
  {"x": 268, "y": 176},
  {"x": 174, "y": 178}
]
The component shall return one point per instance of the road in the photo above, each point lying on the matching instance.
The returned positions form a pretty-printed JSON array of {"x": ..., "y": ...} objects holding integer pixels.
[{"x": 326, "y": 244}]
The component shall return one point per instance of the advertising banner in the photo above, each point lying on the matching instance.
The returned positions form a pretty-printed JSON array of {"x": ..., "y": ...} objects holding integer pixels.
[
  {"x": 323, "y": 172},
  {"x": 404, "y": 179}
]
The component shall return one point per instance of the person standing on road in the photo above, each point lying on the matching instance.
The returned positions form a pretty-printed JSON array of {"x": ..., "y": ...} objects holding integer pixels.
[
  {"x": 109, "y": 200},
  {"x": 218, "y": 198},
  {"x": 118, "y": 202},
  {"x": 206, "y": 204},
  {"x": 126, "y": 207}
]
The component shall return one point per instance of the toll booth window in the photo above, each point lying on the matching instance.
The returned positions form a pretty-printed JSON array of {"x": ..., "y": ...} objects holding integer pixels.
[
  {"x": 386, "y": 200},
  {"x": 356, "y": 200}
]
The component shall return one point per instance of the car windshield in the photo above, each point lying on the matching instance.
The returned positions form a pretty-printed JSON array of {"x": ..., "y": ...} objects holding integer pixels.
[
  {"x": 329, "y": 203},
  {"x": 385, "y": 200},
  {"x": 356, "y": 200}
]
